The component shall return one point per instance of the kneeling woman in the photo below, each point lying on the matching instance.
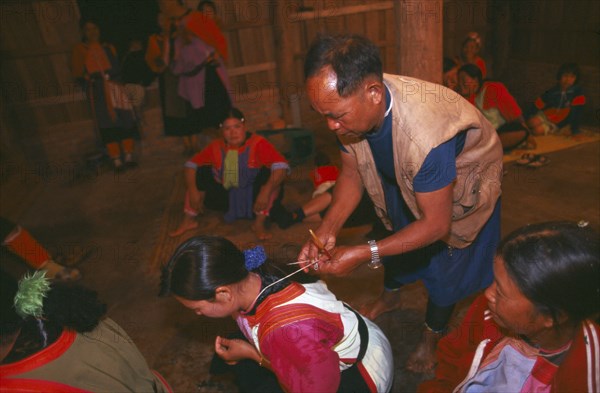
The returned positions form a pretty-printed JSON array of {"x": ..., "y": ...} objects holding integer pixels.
[
  {"x": 533, "y": 330},
  {"x": 497, "y": 105},
  {"x": 311, "y": 341},
  {"x": 240, "y": 174}
]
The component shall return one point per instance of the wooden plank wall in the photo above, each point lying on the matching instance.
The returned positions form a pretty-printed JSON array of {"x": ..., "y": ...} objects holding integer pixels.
[
  {"x": 249, "y": 26},
  {"x": 36, "y": 38}
]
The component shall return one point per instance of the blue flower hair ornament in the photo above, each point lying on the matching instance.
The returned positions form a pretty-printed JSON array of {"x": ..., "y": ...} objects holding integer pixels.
[{"x": 254, "y": 257}]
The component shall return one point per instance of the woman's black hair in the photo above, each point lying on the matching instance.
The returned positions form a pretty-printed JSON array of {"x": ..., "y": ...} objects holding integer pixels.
[
  {"x": 568, "y": 68},
  {"x": 352, "y": 58},
  {"x": 321, "y": 158},
  {"x": 10, "y": 321},
  {"x": 233, "y": 113},
  {"x": 65, "y": 306},
  {"x": 556, "y": 265},
  {"x": 200, "y": 265},
  {"x": 473, "y": 71},
  {"x": 205, "y": 3},
  {"x": 83, "y": 22},
  {"x": 448, "y": 64}
]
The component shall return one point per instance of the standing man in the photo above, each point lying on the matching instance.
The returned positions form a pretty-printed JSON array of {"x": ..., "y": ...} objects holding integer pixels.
[{"x": 431, "y": 163}]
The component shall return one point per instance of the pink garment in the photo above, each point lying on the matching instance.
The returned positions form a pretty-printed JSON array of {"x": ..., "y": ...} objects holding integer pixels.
[
  {"x": 187, "y": 58},
  {"x": 301, "y": 354}
]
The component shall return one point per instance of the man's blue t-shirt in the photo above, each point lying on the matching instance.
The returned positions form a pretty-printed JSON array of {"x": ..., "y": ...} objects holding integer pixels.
[{"x": 438, "y": 169}]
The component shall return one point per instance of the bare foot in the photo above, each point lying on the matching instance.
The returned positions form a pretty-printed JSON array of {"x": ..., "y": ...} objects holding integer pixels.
[
  {"x": 187, "y": 224},
  {"x": 388, "y": 301},
  {"x": 423, "y": 359},
  {"x": 259, "y": 228}
]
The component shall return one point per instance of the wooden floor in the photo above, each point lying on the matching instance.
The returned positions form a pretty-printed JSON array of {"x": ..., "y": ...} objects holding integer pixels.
[{"x": 120, "y": 220}]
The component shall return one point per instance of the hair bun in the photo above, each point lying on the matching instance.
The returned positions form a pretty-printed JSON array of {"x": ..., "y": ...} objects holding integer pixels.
[{"x": 254, "y": 257}]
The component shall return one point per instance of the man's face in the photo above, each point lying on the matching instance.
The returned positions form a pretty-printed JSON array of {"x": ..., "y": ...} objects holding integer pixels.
[{"x": 351, "y": 116}]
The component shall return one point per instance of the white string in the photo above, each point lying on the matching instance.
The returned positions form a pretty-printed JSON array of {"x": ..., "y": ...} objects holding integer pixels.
[
  {"x": 297, "y": 262},
  {"x": 281, "y": 279},
  {"x": 387, "y": 112}
]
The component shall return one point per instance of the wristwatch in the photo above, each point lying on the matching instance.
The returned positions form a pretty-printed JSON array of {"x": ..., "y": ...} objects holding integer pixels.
[{"x": 375, "y": 262}]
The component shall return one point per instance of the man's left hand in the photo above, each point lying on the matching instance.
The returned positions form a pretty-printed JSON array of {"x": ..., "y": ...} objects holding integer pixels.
[{"x": 344, "y": 260}]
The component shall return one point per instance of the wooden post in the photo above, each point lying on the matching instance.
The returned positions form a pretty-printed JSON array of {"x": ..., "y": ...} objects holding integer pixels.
[
  {"x": 420, "y": 38},
  {"x": 500, "y": 45},
  {"x": 284, "y": 55}
]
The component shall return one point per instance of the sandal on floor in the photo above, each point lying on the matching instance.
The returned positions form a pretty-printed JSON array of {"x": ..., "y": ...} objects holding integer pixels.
[
  {"x": 527, "y": 159},
  {"x": 68, "y": 274},
  {"x": 539, "y": 162},
  {"x": 526, "y": 145}
]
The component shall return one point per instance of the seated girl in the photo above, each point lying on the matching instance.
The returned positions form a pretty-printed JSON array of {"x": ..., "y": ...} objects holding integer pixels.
[
  {"x": 533, "y": 329},
  {"x": 303, "y": 337},
  {"x": 53, "y": 338},
  {"x": 561, "y": 106},
  {"x": 470, "y": 53},
  {"x": 324, "y": 175},
  {"x": 240, "y": 174},
  {"x": 497, "y": 105}
]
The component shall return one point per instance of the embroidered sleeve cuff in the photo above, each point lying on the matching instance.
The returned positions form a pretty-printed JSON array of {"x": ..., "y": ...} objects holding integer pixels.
[{"x": 280, "y": 165}]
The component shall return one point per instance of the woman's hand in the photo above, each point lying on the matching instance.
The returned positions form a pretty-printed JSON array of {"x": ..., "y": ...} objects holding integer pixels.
[{"x": 234, "y": 350}]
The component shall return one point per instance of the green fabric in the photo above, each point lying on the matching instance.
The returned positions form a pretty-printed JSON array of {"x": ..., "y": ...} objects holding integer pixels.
[
  {"x": 230, "y": 170},
  {"x": 103, "y": 360}
]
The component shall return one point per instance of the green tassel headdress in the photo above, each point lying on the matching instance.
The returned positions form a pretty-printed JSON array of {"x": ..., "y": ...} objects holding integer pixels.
[{"x": 29, "y": 300}]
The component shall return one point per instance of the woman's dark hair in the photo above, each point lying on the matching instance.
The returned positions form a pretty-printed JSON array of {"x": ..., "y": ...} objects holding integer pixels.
[
  {"x": 10, "y": 321},
  {"x": 322, "y": 159},
  {"x": 568, "y": 68},
  {"x": 473, "y": 71},
  {"x": 200, "y": 265},
  {"x": 233, "y": 113},
  {"x": 556, "y": 266},
  {"x": 448, "y": 64},
  {"x": 85, "y": 21},
  {"x": 65, "y": 306},
  {"x": 352, "y": 58},
  {"x": 206, "y": 3},
  {"x": 472, "y": 37}
]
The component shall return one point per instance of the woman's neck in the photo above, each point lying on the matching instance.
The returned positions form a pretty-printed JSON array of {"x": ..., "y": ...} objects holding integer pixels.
[
  {"x": 556, "y": 337},
  {"x": 249, "y": 291}
]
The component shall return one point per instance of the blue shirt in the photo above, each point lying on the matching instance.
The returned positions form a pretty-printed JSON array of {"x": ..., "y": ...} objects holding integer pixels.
[{"x": 438, "y": 169}]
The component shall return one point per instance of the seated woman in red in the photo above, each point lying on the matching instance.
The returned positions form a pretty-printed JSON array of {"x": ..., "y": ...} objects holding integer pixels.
[
  {"x": 497, "y": 105},
  {"x": 240, "y": 174},
  {"x": 533, "y": 330}
]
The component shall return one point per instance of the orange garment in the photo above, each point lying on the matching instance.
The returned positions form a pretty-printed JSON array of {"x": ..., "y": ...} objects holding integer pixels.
[
  {"x": 23, "y": 244},
  {"x": 207, "y": 30},
  {"x": 154, "y": 53},
  {"x": 90, "y": 58}
]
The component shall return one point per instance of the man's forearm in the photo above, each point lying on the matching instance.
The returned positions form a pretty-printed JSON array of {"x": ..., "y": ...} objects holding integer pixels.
[{"x": 346, "y": 197}]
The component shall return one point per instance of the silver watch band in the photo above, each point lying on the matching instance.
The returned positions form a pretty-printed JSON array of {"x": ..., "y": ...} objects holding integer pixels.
[{"x": 375, "y": 262}]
